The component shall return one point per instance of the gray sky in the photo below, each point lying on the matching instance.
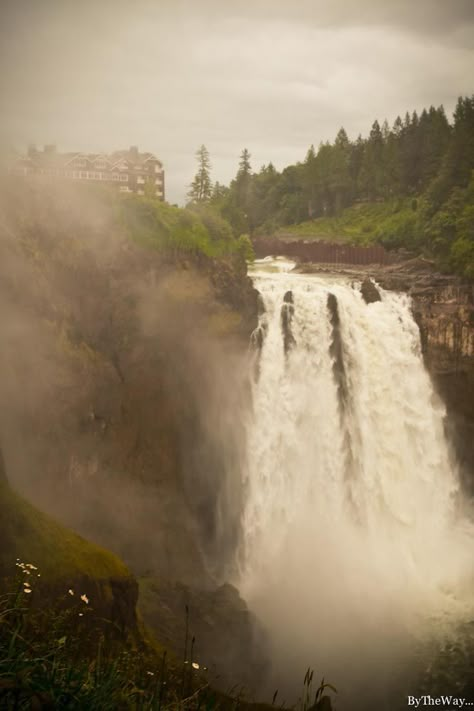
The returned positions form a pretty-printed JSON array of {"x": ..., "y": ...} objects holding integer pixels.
[{"x": 270, "y": 75}]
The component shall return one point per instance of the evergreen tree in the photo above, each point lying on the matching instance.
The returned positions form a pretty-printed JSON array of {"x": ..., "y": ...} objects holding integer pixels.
[
  {"x": 244, "y": 165},
  {"x": 201, "y": 188}
]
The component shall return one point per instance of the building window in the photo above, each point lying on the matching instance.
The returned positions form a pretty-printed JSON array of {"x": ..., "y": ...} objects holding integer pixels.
[{"x": 124, "y": 178}]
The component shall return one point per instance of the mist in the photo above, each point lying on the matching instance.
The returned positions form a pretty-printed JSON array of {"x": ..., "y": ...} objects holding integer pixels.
[
  {"x": 121, "y": 394},
  {"x": 356, "y": 551}
]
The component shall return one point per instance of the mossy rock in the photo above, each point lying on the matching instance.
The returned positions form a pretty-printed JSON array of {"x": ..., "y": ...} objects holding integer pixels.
[{"x": 64, "y": 561}]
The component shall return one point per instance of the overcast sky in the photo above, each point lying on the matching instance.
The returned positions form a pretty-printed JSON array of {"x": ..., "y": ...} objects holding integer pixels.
[{"x": 273, "y": 76}]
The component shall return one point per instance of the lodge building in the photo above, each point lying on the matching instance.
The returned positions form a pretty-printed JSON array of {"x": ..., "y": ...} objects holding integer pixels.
[{"x": 131, "y": 171}]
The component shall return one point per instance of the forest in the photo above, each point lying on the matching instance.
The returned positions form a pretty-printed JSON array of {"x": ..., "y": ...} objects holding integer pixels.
[{"x": 407, "y": 185}]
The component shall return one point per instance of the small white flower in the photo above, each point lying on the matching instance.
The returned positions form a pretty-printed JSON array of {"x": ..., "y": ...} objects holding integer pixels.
[
  {"x": 150, "y": 673},
  {"x": 81, "y": 614},
  {"x": 38, "y": 575},
  {"x": 85, "y": 599},
  {"x": 27, "y": 585},
  {"x": 71, "y": 592},
  {"x": 27, "y": 590},
  {"x": 195, "y": 665},
  {"x": 31, "y": 566}
]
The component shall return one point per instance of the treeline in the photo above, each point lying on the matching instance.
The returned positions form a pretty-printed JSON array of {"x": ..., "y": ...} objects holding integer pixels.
[{"x": 423, "y": 161}]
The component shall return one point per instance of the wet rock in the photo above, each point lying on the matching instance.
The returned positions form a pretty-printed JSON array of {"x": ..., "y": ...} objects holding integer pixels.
[
  {"x": 369, "y": 291},
  {"x": 228, "y": 638},
  {"x": 324, "y": 704},
  {"x": 286, "y": 317},
  {"x": 260, "y": 305}
]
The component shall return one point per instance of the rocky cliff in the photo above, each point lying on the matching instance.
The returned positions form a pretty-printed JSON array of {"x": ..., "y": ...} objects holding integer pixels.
[
  {"x": 443, "y": 306},
  {"x": 122, "y": 374},
  {"x": 445, "y": 315},
  {"x": 123, "y": 378}
]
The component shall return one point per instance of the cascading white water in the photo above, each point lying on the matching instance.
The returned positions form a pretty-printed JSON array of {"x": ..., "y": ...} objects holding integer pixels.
[{"x": 353, "y": 541}]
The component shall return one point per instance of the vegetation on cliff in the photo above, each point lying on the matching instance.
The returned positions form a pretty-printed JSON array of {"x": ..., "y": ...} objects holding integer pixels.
[
  {"x": 65, "y": 560},
  {"x": 175, "y": 230},
  {"x": 409, "y": 185},
  {"x": 69, "y": 636}
]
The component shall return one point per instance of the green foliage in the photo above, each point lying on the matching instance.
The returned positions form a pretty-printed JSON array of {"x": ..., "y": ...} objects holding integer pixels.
[
  {"x": 448, "y": 233},
  {"x": 199, "y": 229},
  {"x": 58, "y": 551},
  {"x": 60, "y": 656},
  {"x": 405, "y": 186},
  {"x": 245, "y": 248},
  {"x": 361, "y": 224}
]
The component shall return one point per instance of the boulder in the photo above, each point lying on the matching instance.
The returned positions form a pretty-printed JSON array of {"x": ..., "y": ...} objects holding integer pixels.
[{"x": 369, "y": 291}]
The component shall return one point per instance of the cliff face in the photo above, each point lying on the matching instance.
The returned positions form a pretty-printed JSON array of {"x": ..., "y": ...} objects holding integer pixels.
[
  {"x": 445, "y": 314},
  {"x": 121, "y": 374}
]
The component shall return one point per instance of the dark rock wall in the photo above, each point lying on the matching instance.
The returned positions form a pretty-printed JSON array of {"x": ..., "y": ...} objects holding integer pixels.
[{"x": 445, "y": 315}]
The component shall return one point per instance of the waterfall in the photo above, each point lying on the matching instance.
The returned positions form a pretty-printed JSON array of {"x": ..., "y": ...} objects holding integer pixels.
[{"x": 353, "y": 538}]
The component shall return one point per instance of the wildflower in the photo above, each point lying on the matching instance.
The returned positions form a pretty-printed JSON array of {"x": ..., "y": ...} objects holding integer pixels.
[
  {"x": 85, "y": 599},
  {"x": 31, "y": 566},
  {"x": 27, "y": 590},
  {"x": 81, "y": 614},
  {"x": 71, "y": 592},
  {"x": 150, "y": 673},
  {"x": 195, "y": 665},
  {"x": 38, "y": 575},
  {"x": 26, "y": 584}
]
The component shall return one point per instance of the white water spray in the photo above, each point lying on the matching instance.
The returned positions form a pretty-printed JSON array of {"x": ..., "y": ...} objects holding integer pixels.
[{"x": 353, "y": 539}]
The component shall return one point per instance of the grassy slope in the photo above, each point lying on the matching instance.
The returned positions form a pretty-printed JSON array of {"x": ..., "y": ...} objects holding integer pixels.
[
  {"x": 360, "y": 224},
  {"x": 59, "y": 553}
]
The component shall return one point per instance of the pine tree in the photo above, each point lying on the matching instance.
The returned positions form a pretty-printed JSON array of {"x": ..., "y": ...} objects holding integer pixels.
[
  {"x": 244, "y": 165},
  {"x": 243, "y": 189},
  {"x": 201, "y": 187}
]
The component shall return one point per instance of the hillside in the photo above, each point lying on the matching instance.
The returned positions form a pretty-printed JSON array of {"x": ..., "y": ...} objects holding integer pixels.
[
  {"x": 408, "y": 185},
  {"x": 360, "y": 224}
]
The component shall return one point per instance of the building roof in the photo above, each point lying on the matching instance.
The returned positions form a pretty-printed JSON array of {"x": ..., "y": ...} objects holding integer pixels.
[{"x": 50, "y": 158}]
